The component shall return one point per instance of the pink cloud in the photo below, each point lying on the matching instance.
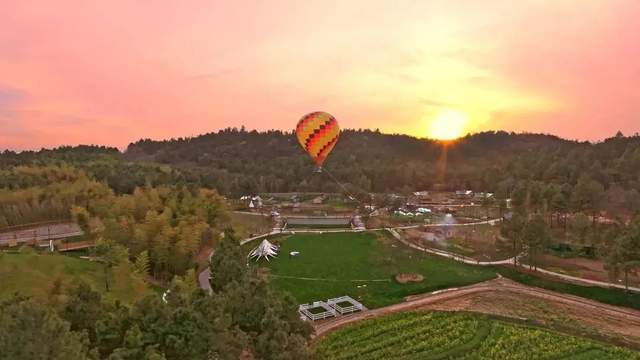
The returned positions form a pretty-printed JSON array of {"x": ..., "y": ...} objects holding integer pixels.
[{"x": 113, "y": 72}]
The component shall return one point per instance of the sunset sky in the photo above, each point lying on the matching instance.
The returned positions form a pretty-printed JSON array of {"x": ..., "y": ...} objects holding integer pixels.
[{"x": 111, "y": 72}]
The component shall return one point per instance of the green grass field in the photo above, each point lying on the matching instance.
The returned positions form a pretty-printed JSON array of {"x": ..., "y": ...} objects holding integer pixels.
[
  {"x": 363, "y": 266},
  {"x": 34, "y": 275},
  {"x": 440, "y": 335},
  {"x": 323, "y": 227}
]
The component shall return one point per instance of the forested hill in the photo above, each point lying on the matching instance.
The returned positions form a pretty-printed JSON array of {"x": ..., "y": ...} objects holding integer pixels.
[
  {"x": 237, "y": 161},
  {"x": 105, "y": 164}
]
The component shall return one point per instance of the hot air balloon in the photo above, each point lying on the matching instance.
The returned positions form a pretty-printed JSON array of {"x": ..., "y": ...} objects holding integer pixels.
[{"x": 318, "y": 133}]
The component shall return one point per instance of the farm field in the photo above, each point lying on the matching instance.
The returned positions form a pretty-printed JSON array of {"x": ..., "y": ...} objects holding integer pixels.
[
  {"x": 363, "y": 266},
  {"x": 34, "y": 274},
  {"x": 444, "y": 335}
]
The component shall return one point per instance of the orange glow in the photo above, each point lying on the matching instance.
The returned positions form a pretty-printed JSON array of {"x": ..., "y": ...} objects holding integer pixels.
[
  {"x": 159, "y": 70},
  {"x": 448, "y": 125}
]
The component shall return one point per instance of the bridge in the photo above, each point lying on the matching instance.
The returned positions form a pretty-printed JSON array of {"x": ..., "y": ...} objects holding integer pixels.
[
  {"x": 40, "y": 235},
  {"x": 78, "y": 245}
]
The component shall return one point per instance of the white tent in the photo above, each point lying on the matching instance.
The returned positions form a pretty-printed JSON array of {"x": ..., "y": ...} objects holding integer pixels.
[{"x": 265, "y": 249}]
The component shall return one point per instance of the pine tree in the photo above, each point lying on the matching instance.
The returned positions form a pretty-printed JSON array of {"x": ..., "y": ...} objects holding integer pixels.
[
  {"x": 110, "y": 254},
  {"x": 228, "y": 264},
  {"x": 31, "y": 331},
  {"x": 141, "y": 265}
]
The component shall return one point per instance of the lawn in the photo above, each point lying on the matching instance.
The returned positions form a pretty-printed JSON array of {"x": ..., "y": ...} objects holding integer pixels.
[
  {"x": 363, "y": 266},
  {"x": 246, "y": 225},
  {"x": 318, "y": 226},
  {"x": 34, "y": 274},
  {"x": 608, "y": 296},
  {"x": 439, "y": 335}
]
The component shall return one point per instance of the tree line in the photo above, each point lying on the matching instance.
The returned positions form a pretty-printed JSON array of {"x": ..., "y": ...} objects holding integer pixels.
[
  {"x": 167, "y": 223},
  {"x": 272, "y": 161},
  {"x": 568, "y": 174},
  {"x": 543, "y": 218},
  {"x": 103, "y": 164},
  {"x": 243, "y": 318}
]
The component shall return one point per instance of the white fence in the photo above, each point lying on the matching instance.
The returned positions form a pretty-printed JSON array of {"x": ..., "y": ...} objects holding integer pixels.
[
  {"x": 305, "y": 310},
  {"x": 332, "y": 308},
  {"x": 355, "y": 305}
]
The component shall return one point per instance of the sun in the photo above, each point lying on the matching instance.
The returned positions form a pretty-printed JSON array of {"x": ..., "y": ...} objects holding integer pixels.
[{"x": 448, "y": 125}]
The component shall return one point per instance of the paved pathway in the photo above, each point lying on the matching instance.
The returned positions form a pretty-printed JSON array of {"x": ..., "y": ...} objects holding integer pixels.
[
  {"x": 587, "y": 281},
  {"x": 468, "y": 260},
  {"x": 204, "y": 275},
  {"x": 203, "y": 280},
  {"x": 447, "y": 254},
  {"x": 484, "y": 222}
]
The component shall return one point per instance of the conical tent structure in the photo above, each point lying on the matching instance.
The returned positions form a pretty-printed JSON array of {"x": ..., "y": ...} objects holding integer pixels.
[{"x": 265, "y": 249}]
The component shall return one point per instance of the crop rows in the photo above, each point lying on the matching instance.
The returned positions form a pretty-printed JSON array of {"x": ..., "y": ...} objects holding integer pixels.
[{"x": 436, "y": 335}]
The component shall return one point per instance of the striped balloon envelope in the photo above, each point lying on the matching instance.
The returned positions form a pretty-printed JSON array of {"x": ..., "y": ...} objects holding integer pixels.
[{"x": 318, "y": 133}]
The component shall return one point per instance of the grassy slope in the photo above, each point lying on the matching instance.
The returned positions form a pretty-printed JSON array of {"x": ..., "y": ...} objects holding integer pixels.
[
  {"x": 438, "y": 335},
  {"x": 608, "y": 296},
  {"x": 341, "y": 257},
  {"x": 246, "y": 225},
  {"x": 34, "y": 275}
]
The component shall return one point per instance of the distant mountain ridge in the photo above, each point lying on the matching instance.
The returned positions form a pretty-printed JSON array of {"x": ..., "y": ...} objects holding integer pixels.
[{"x": 237, "y": 161}]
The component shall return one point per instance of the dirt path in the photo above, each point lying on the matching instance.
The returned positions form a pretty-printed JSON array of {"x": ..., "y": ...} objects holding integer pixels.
[{"x": 578, "y": 313}]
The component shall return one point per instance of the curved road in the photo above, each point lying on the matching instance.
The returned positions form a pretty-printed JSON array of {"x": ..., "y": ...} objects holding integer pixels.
[
  {"x": 471, "y": 261},
  {"x": 457, "y": 257}
]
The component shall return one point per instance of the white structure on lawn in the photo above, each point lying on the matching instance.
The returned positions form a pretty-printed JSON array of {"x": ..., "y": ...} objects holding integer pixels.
[
  {"x": 316, "y": 310},
  {"x": 319, "y": 310},
  {"x": 265, "y": 250},
  {"x": 345, "y": 305}
]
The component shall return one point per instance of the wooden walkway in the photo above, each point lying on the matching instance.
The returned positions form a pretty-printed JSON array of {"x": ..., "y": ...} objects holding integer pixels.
[
  {"x": 39, "y": 234},
  {"x": 79, "y": 245}
]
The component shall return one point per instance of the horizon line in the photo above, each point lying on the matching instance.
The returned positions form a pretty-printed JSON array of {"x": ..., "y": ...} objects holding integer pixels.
[{"x": 377, "y": 130}]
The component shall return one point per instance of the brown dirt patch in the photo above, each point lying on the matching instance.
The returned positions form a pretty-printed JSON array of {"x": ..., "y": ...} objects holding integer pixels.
[
  {"x": 591, "y": 269},
  {"x": 407, "y": 278}
]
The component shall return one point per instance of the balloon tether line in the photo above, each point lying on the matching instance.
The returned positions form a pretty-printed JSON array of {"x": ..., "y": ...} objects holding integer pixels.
[{"x": 344, "y": 188}]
